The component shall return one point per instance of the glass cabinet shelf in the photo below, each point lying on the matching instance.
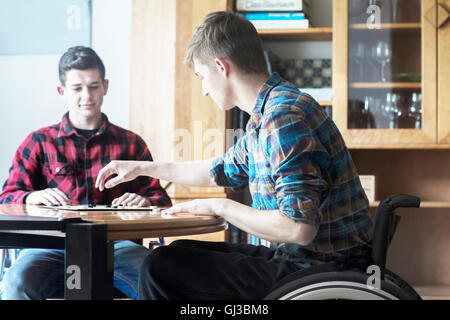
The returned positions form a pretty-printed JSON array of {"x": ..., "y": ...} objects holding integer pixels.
[
  {"x": 410, "y": 28},
  {"x": 385, "y": 85},
  {"x": 310, "y": 34}
]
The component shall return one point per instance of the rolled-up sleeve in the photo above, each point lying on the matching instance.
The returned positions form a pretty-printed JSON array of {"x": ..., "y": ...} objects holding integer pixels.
[
  {"x": 298, "y": 163},
  {"x": 231, "y": 169}
]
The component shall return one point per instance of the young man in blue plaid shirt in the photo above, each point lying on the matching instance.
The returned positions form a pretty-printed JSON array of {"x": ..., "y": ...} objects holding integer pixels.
[{"x": 307, "y": 196}]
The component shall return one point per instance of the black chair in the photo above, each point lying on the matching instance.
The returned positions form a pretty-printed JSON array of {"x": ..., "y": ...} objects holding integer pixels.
[{"x": 329, "y": 281}]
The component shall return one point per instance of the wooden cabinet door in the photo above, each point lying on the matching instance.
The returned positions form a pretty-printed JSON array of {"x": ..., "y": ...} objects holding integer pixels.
[
  {"x": 443, "y": 25},
  {"x": 378, "y": 57}
]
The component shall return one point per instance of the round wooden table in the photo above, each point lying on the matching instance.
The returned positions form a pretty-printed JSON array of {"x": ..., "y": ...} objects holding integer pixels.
[{"x": 122, "y": 225}]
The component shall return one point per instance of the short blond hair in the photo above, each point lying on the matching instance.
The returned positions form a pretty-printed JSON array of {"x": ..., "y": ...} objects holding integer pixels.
[{"x": 227, "y": 35}]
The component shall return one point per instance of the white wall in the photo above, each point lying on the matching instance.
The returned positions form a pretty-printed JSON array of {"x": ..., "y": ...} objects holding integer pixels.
[
  {"x": 111, "y": 38},
  {"x": 28, "y": 97}
]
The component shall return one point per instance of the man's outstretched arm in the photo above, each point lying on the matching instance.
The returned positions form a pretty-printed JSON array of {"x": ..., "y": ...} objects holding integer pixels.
[{"x": 193, "y": 173}]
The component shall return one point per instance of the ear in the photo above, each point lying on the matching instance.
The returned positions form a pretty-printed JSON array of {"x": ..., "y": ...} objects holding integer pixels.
[
  {"x": 60, "y": 90},
  {"x": 223, "y": 66},
  {"x": 105, "y": 85}
]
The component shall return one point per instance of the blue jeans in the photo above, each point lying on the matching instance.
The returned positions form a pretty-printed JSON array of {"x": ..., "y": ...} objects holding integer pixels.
[{"x": 39, "y": 273}]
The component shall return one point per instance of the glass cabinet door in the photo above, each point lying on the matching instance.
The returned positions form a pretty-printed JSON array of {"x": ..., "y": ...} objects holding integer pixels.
[{"x": 390, "y": 89}]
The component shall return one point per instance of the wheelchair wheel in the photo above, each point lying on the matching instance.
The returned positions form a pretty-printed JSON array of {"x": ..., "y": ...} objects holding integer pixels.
[{"x": 339, "y": 286}]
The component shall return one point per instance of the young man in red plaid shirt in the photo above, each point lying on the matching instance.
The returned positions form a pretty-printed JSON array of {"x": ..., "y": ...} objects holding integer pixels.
[{"x": 57, "y": 165}]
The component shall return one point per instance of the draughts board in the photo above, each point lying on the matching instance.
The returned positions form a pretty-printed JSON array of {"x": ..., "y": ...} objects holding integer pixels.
[{"x": 104, "y": 208}]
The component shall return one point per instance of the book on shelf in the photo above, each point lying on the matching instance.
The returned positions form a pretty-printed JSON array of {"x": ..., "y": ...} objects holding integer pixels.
[
  {"x": 272, "y": 5},
  {"x": 281, "y": 24},
  {"x": 369, "y": 185},
  {"x": 274, "y": 15}
]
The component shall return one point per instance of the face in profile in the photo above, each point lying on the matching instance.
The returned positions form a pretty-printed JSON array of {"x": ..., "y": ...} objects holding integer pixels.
[
  {"x": 83, "y": 92},
  {"x": 215, "y": 84}
]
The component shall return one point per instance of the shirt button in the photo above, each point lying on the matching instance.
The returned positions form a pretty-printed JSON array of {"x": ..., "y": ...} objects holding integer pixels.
[{"x": 58, "y": 169}]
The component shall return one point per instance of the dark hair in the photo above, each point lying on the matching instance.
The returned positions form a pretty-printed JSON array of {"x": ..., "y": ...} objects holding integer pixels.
[
  {"x": 80, "y": 58},
  {"x": 227, "y": 35}
]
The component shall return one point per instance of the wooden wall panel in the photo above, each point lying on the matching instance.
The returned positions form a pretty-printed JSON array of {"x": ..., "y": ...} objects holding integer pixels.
[
  {"x": 444, "y": 74},
  {"x": 168, "y": 108},
  {"x": 152, "y": 71}
]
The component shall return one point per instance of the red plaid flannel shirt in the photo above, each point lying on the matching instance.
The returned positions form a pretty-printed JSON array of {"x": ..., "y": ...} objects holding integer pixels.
[{"x": 58, "y": 157}]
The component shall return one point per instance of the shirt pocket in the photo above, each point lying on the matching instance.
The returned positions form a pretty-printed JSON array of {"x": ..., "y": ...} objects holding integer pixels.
[
  {"x": 60, "y": 169},
  {"x": 61, "y": 175}
]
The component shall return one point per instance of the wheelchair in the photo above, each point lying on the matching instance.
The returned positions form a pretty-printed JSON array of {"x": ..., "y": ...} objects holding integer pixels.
[{"x": 329, "y": 281}]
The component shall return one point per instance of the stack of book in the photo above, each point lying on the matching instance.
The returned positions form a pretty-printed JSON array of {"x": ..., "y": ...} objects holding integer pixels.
[{"x": 275, "y": 14}]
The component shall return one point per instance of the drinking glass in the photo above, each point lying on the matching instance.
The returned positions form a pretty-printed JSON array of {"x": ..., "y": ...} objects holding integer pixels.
[
  {"x": 378, "y": 114},
  {"x": 373, "y": 62},
  {"x": 415, "y": 109},
  {"x": 398, "y": 113},
  {"x": 394, "y": 10},
  {"x": 359, "y": 52},
  {"x": 369, "y": 103},
  {"x": 392, "y": 110},
  {"x": 383, "y": 56}
]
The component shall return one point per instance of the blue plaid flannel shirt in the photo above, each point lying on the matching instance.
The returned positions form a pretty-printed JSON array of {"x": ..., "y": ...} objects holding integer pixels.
[{"x": 295, "y": 160}]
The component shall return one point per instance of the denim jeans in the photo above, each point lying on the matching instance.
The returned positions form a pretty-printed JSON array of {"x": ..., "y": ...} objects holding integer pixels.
[{"x": 39, "y": 273}]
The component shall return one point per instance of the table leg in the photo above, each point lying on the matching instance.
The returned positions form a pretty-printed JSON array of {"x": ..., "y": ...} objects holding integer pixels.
[{"x": 89, "y": 262}]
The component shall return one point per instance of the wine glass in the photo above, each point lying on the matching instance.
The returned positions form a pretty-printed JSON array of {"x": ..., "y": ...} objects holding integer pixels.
[
  {"x": 383, "y": 55},
  {"x": 398, "y": 113},
  {"x": 392, "y": 110},
  {"x": 358, "y": 52},
  {"x": 415, "y": 109},
  {"x": 394, "y": 10},
  {"x": 369, "y": 103},
  {"x": 373, "y": 62}
]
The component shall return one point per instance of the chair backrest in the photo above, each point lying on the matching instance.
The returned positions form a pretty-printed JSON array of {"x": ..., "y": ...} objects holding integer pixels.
[{"x": 385, "y": 224}]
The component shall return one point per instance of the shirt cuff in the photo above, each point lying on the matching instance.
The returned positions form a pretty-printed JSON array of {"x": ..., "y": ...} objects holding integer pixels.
[
  {"x": 217, "y": 173},
  {"x": 301, "y": 209}
]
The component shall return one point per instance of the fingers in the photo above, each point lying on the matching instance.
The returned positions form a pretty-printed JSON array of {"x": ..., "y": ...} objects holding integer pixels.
[
  {"x": 187, "y": 207},
  {"x": 48, "y": 197},
  {"x": 61, "y": 196},
  {"x": 131, "y": 199},
  {"x": 135, "y": 201},
  {"x": 45, "y": 199},
  {"x": 103, "y": 174},
  {"x": 112, "y": 183},
  {"x": 55, "y": 196},
  {"x": 125, "y": 171},
  {"x": 143, "y": 203},
  {"x": 123, "y": 200}
]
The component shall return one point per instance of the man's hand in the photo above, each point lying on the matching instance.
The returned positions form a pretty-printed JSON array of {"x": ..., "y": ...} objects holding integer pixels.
[
  {"x": 125, "y": 171},
  {"x": 131, "y": 199},
  {"x": 48, "y": 197},
  {"x": 209, "y": 207}
]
